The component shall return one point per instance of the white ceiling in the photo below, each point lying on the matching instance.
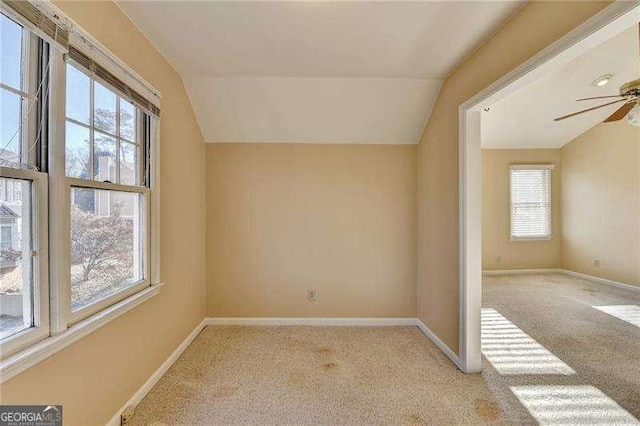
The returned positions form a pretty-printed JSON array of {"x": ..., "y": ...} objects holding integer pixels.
[
  {"x": 524, "y": 119},
  {"x": 315, "y": 71}
]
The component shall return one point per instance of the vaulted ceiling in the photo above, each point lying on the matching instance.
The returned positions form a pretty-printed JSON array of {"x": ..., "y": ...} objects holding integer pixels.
[
  {"x": 524, "y": 119},
  {"x": 315, "y": 71}
]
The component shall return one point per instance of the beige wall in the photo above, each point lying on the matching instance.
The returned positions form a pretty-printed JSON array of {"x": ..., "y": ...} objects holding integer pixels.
[
  {"x": 601, "y": 202},
  {"x": 285, "y": 218},
  {"x": 93, "y": 377},
  {"x": 498, "y": 251},
  {"x": 597, "y": 216},
  {"x": 363, "y": 195},
  {"x": 535, "y": 27}
]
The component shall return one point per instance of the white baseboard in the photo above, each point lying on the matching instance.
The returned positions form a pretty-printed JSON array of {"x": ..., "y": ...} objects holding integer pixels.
[
  {"x": 600, "y": 280},
  {"x": 563, "y": 271},
  {"x": 146, "y": 387},
  {"x": 439, "y": 343},
  {"x": 372, "y": 322},
  {"x": 520, "y": 271}
]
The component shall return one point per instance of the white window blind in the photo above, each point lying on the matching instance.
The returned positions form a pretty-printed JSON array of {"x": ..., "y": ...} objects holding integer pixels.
[{"x": 530, "y": 201}]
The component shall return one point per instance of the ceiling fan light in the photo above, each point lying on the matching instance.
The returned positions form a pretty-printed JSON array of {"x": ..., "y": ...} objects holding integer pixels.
[
  {"x": 633, "y": 117},
  {"x": 602, "y": 80}
]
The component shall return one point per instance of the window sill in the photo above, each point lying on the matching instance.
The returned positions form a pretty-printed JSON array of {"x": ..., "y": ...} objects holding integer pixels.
[{"x": 27, "y": 358}]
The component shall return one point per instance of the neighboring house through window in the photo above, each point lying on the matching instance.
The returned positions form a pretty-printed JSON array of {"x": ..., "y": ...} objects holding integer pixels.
[
  {"x": 78, "y": 134},
  {"x": 6, "y": 237},
  {"x": 103, "y": 145}
]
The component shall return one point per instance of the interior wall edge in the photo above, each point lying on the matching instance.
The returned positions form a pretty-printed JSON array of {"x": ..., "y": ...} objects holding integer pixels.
[
  {"x": 438, "y": 159},
  {"x": 439, "y": 343}
]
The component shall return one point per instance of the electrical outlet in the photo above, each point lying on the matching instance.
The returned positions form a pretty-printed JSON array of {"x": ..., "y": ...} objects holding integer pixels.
[
  {"x": 127, "y": 415},
  {"x": 596, "y": 263},
  {"x": 498, "y": 259},
  {"x": 311, "y": 295}
]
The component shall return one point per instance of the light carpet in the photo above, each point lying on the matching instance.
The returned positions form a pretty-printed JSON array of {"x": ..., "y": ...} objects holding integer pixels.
[
  {"x": 558, "y": 312},
  {"x": 395, "y": 375},
  {"x": 316, "y": 375}
]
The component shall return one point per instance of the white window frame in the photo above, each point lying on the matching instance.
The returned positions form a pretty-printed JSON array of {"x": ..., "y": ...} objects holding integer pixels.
[
  {"x": 544, "y": 237},
  {"x": 100, "y": 304},
  {"x": 38, "y": 228},
  {"x": 117, "y": 136},
  {"x": 29, "y": 63},
  {"x": 72, "y": 182},
  {"x": 61, "y": 186},
  {"x": 56, "y": 326}
]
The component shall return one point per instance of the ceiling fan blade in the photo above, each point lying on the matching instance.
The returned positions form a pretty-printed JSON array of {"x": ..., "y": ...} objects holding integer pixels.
[
  {"x": 589, "y": 109},
  {"x": 621, "y": 112},
  {"x": 600, "y": 97}
]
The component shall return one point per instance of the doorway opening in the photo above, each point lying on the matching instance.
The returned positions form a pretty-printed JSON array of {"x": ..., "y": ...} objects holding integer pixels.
[{"x": 523, "y": 176}]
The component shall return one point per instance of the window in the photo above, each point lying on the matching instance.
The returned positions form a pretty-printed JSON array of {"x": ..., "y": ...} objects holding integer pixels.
[
  {"x": 77, "y": 139},
  {"x": 16, "y": 280},
  {"x": 530, "y": 201},
  {"x": 24, "y": 302},
  {"x": 12, "y": 91},
  {"x": 103, "y": 164},
  {"x": 102, "y": 139},
  {"x": 106, "y": 252},
  {"x": 6, "y": 237}
]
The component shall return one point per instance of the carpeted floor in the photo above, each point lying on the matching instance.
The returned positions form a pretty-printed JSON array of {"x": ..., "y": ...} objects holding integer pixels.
[
  {"x": 316, "y": 375},
  {"x": 395, "y": 375},
  {"x": 557, "y": 311}
]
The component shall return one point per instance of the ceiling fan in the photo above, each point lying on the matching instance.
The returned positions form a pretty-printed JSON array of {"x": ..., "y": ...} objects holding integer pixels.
[{"x": 629, "y": 96}]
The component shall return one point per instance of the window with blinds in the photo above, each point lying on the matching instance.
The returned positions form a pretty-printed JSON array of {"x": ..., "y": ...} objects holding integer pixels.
[
  {"x": 79, "y": 181},
  {"x": 530, "y": 201}
]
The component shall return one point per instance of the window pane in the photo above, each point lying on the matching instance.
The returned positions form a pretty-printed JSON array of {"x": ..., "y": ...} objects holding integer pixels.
[
  {"x": 10, "y": 106},
  {"x": 104, "y": 158},
  {"x": 127, "y": 120},
  {"x": 128, "y": 155},
  {"x": 77, "y": 151},
  {"x": 10, "y": 52},
  {"x": 78, "y": 95},
  {"x": 16, "y": 300},
  {"x": 106, "y": 249},
  {"x": 531, "y": 203},
  {"x": 104, "y": 116}
]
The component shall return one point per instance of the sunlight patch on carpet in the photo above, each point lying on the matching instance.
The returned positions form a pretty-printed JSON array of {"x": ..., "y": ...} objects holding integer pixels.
[
  {"x": 572, "y": 405},
  {"x": 628, "y": 313},
  {"x": 512, "y": 351}
]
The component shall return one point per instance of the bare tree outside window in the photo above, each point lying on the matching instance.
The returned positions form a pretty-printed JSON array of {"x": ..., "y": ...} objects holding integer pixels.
[
  {"x": 102, "y": 145},
  {"x": 104, "y": 252}
]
